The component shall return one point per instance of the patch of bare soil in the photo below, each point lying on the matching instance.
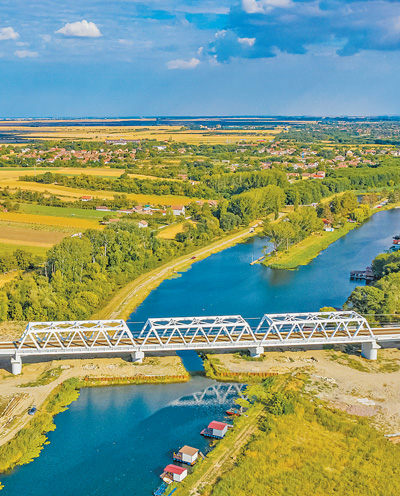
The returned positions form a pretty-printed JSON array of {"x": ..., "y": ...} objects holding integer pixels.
[
  {"x": 10, "y": 331},
  {"x": 351, "y": 383}
]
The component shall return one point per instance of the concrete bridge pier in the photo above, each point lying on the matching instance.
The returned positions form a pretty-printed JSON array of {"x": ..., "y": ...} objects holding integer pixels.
[
  {"x": 16, "y": 365},
  {"x": 370, "y": 350},
  {"x": 256, "y": 351},
  {"x": 137, "y": 356}
]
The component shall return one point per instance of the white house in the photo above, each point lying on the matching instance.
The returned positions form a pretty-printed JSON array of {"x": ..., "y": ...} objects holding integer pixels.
[
  {"x": 175, "y": 473},
  {"x": 218, "y": 429},
  {"x": 178, "y": 209},
  {"x": 143, "y": 223},
  {"x": 187, "y": 454}
]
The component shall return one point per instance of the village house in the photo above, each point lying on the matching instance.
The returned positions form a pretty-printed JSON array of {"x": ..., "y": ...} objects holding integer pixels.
[
  {"x": 178, "y": 209},
  {"x": 187, "y": 454},
  {"x": 174, "y": 473},
  {"x": 143, "y": 223}
]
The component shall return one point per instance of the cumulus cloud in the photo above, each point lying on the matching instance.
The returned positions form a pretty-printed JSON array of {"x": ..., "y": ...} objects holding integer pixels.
[
  {"x": 23, "y": 54},
  {"x": 8, "y": 34},
  {"x": 247, "y": 41},
  {"x": 80, "y": 29},
  {"x": 263, "y": 6},
  {"x": 346, "y": 27},
  {"x": 183, "y": 64}
]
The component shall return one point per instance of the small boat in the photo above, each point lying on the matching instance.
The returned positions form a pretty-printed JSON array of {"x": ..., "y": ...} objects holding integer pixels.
[
  {"x": 234, "y": 412},
  {"x": 32, "y": 410}
]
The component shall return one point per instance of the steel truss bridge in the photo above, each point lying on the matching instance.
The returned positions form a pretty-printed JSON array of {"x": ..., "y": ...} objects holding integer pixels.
[{"x": 198, "y": 333}]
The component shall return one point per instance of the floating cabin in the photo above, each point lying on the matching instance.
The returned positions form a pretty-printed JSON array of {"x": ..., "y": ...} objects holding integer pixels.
[
  {"x": 215, "y": 429},
  {"x": 187, "y": 455},
  {"x": 173, "y": 473}
]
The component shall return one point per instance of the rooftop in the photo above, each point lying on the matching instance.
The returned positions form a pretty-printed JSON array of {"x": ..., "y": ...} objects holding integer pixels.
[
  {"x": 219, "y": 426},
  {"x": 187, "y": 450},
  {"x": 174, "y": 469}
]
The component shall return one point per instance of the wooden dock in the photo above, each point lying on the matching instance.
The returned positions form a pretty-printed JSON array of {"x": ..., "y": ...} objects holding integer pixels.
[
  {"x": 258, "y": 260},
  {"x": 362, "y": 275}
]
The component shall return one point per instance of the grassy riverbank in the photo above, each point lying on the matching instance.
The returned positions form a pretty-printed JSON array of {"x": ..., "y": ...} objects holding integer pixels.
[
  {"x": 59, "y": 386},
  {"x": 29, "y": 441},
  {"x": 309, "y": 248},
  {"x": 292, "y": 440},
  {"x": 302, "y": 253}
]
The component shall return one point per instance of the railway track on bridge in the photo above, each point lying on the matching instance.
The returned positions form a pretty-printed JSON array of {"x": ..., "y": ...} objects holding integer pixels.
[{"x": 198, "y": 333}]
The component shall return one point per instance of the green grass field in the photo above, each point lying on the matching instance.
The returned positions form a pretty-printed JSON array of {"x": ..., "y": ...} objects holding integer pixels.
[
  {"x": 77, "y": 213},
  {"x": 6, "y": 248}
]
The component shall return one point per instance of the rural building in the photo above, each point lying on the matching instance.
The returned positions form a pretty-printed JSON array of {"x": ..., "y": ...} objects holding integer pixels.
[
  {"x": 143, "y": 223},
  {"x": 103, "y": 209},
  {"x": 86, "y": 198},
  {"x": 175, "y": 473},
  {"x": 218, "y": 428},
  {"x": 178, "y": 209},
  {"x": 187, "y": 454}
]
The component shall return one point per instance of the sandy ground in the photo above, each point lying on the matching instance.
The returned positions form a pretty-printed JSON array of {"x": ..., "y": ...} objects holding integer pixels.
[
  {"x": 15, "y": 399},
  {"x": 366, "y": 393}
]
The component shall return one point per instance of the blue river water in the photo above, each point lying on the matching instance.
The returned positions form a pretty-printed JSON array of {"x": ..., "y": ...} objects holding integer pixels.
[{"x": 116, "y": 440}]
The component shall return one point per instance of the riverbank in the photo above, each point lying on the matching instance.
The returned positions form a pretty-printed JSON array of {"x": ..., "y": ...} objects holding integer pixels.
[
  {"x": 342, "y": 379},
  {"x": 309, "y": 248},
  {"x": 295, "y": 440},
  {"x": 128, "y": 298},
  {"x": 40, "y": 384}
]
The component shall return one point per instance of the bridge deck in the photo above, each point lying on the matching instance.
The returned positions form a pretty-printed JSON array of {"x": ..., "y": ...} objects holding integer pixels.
[{"x": 177, "y": 338}]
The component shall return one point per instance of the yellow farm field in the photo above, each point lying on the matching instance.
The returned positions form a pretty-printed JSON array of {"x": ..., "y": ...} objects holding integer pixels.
[
  {"x": 30, "y": 237},
  {"x": 47, "y": 220},
  {"x": 160, "y": 133},
  {"x": 72, "y": 194},
  {"x": 171, "y": 231}
]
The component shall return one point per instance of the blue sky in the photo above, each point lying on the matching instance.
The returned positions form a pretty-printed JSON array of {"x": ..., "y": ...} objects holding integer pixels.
[{"x": 199, "y": 57}]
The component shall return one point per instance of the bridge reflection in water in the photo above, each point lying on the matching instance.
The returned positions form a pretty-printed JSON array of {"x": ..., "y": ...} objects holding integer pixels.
[
  {"x": 216, "y": 394},
  {"x": 199, "y": 333}
]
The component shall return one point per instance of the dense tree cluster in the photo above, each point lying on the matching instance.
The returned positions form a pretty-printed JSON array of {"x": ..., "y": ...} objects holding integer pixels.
[
  {"x": 293, "y": 228},
  {"x": 81, "y": 273},
  {"x": 381, "y": 301},
  {"x": 124, "y": 184}
]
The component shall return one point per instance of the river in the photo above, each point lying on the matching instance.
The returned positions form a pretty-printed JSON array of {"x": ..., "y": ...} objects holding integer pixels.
[{"x": 117, "y": 440}]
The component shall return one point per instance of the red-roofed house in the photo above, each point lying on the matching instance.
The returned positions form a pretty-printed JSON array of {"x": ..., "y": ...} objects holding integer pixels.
[
  {"x": 174, "y": 472},
  {"x": 178, "y": 209},
  {"x": 215, "y": 429}
]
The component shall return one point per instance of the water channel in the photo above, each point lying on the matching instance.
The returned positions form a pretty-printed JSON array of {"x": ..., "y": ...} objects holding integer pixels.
[{"x": 117, "y": 440}]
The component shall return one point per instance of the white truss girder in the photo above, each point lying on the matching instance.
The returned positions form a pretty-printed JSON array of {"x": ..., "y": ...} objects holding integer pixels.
[{"x": 196, "y": 333}]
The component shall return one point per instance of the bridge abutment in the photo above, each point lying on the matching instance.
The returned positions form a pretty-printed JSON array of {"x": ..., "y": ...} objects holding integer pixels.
[
  {"x": 370, "y": 350},
  {"x": 16, "y": 365},
  {"x": 256, "y": 351},
  {"x": 137, "y": 356}
]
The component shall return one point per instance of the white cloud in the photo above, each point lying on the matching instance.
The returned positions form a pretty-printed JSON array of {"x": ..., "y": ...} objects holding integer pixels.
[
  {"x": 200, "y": 51},
  {"x": 81, "y": 29},
  {"x": 22, "y": 43},
  {"x": 124, "y": 42},
  {"x": 22, "y": 54},
  {"x": 247, "y": 41},
  {"x": 263, "y": 6},
  {"x": 8, "y": 34},
  {"x": 183, "y": 64},
  {"x": 46, "y": 38}
]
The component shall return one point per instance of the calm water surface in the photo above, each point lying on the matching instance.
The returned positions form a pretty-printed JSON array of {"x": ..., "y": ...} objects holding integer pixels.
[{"x": 117, "y": 440}]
